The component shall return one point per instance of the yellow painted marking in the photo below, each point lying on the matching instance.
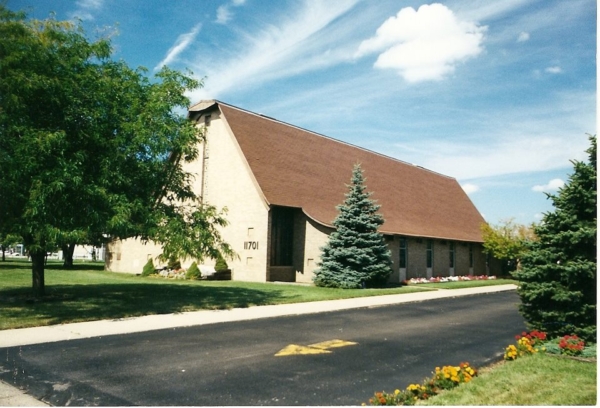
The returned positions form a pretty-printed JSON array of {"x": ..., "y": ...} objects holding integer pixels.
[
  {"x": 317, "y": 348},
  {"x": 332, "y": 344},
  {"x": 294, "y": 349}
]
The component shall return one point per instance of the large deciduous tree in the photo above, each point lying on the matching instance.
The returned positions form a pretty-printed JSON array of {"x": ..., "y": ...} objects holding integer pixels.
[
  {"x": 356, "y": 254},
  {"x": 507, "y": 242},
  {"x": 91, "y": 147},
  {"x": 557, "y": 281}
]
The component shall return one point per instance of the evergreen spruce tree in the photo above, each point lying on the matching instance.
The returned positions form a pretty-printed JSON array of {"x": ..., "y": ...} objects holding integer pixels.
[
  {"x": 557, "y": 281},
  {"x": 356, "y": 254}
]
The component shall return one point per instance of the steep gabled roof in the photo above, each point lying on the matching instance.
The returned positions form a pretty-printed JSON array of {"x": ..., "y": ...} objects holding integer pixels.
[{"x": 298, "y": 168}]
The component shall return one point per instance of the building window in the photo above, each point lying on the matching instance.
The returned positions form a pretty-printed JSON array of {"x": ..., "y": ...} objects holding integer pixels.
[
  {"x": 451, "y": 252},
  {"x": 429, "y": 253},
  {"x": 207, "y": 120},
  {"x": 403, "y": 252},
  {"x": 282, "y": 236},
  {"x": 470, "y": 255}
]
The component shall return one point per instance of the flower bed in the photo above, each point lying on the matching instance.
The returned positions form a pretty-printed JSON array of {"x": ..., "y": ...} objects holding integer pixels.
[
  {"x": 444, "y": 378},
  {"x": 527, "y": 343},
  {"x": 535, "y": 341},
  {"x": 571, "y": 345},
  {"x": 449, "y": 377},
  {"x": 437, "y": 279}
]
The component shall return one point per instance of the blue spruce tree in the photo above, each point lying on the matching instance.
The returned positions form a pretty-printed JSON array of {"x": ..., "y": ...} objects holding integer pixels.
[{"x": 356, "y": 255}]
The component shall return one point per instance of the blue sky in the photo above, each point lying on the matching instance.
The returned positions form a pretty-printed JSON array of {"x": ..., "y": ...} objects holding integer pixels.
[{"x": 498, "y": 94}]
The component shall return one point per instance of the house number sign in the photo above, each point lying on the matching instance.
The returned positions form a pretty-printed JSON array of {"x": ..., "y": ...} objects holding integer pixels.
[{"x": 250, "y": 244}]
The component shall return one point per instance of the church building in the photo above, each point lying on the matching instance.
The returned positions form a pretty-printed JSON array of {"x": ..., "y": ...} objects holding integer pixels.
[{"x": 281, "y": 185}]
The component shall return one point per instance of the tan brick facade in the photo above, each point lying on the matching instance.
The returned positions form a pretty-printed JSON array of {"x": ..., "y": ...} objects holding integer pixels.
[{"x": 224, "y": 180}]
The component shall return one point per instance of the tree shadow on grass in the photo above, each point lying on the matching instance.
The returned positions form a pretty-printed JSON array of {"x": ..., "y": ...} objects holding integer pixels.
[
  {"x": 15, "y": 265},
  {"x": 87, "y": 266},
  {"x": 53, "y": 265},
  {"x": 75, "y": 303}
]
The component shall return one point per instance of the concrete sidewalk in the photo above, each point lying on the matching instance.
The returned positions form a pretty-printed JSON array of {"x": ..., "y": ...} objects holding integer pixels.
[{"x": 10, "y": 396}]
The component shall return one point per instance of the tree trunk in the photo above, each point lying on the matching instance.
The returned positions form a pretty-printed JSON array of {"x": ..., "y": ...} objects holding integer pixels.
[
  {"x": 68, "y": 251},
  {"x": 3, "y": 255},
  {"x": 37, "y": 272}
]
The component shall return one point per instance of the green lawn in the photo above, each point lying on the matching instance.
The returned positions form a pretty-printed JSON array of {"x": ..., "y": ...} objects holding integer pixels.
[
  {"x": 540, "y": 379},
  {"x": 89, "y": 293}
]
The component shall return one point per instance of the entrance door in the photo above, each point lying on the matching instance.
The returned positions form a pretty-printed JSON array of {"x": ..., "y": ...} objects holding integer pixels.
[{"x": 282, "y": 245}]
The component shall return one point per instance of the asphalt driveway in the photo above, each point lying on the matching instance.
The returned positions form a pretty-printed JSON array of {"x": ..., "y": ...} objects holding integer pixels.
[{"x": 333, "y": 358}]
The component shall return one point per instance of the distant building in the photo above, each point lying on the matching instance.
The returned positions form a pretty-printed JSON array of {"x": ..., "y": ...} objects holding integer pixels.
[{"x": 281, "y": 185}]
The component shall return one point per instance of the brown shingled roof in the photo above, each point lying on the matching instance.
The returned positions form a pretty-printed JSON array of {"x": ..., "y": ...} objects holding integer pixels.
[{"x": 298, "y": 168}]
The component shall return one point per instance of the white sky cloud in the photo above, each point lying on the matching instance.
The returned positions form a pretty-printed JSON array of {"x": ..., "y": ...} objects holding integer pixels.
[
  {"x": 424, "y": 44},
  {"x": 470, "y": 188},
  {"x": 501, "y": 155},
  {"x": 552, "y": 186},
  {"x": 554, "y": 70},
  {"x": 523, "y": 36},
  {"x": 223, "y": 14},
  {"x": 277, "y": 51},
  {"x": 183, "y": 41},
  {"x": 514, "y": 140},
  {"x": 85, "y": 9},
  {"x": 480, "y": 10}
]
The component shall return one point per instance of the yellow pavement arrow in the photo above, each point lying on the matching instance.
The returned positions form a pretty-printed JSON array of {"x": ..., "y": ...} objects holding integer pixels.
[
  {"x": 332, "y": 344},
  {"x": 317, "y": 348},
  {"x": 293, "y": 349}
]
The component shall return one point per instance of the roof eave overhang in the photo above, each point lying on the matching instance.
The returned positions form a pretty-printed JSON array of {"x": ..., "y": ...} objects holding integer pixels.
[{"x": 398, "y": 233}]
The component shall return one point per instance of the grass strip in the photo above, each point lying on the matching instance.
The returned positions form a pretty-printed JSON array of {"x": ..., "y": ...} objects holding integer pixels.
[
  {"x": 539, "y": 379},
  {"x": 87, "y": 293}
]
